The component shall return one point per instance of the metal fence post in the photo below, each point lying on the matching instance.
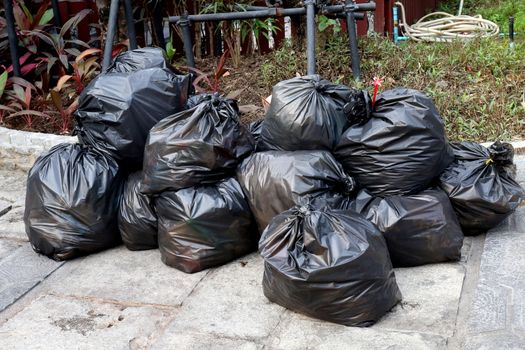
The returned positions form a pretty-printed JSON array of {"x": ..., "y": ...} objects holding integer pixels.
[
  {"x": 352, "y": 36},
  {"x": 310, "y": 35},
  {"x": 110, "y": 35},
  {"x": 130, "y": 23},
  {"x": 11, "y": 36}
]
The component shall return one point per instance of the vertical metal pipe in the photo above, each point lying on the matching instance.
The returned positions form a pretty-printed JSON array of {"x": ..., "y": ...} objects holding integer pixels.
[
  {"x": 352, "y": 36},
  {"x": 184, "y": 24},
  {"x": 396, "y": 24},
  {"x": 11, "y": 36},
  {"x": 56, "y": 13},
  {"x": 110, "y": 35},
  {"x": 310, "y": 35},
  {"x": 130, "y": 23},
  {"x": 158, "y": 23},
  {"x": 511, "y": 32}
]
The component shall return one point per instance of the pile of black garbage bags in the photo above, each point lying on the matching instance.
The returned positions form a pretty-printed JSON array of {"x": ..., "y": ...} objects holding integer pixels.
[{"x": 332, "y": 190}]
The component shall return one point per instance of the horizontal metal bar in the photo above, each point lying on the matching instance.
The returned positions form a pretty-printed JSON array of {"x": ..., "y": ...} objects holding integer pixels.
[
  {"x": 261, "y": 12},
  {"x": 232, "y": 16}
]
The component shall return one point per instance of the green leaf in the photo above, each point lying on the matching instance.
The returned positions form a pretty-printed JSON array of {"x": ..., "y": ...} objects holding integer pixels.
[
  {"x": 3, "y": 82},
  {"x": 46, "y": 17}
]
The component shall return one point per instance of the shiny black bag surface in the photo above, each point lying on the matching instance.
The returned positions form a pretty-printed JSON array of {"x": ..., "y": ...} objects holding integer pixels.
[
  {"x": 401, "y": 149},
  {"x": 201, "y": 145},
  {"x": 117, "y": 110},
  {"x": 328, "y": 264},
  {"x": 419, "y": 229},
  {"x": 481, "y": 185},
  {"x": 205, "y": 226},
  {"x": 73, "y": 196},
  {"x": 310, "y": 113},
  {"x": 137, "y": 220},
  {"x": 275, "y": 181}
]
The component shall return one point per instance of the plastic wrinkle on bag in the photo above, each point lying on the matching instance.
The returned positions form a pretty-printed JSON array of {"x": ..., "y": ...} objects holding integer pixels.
[
  {"x": 205, "y": 226},
  {"x": 481, "y": 185},
  {"x": 137, "y": 220},
  {"x": 311, "y": 113},
  {"x": 198, "y": 146},
  {"x": 401, "y": 149},
  {"x": 255, "y": 129},
  {"x": 275, "y": 181},
  {"x": 138, "y": 59},
  {"x": 418, "y": 229},
  {"x": 329, "y": 264},
  {"x": 72, "y": 201},
  {"x": 117, "y": 110}
]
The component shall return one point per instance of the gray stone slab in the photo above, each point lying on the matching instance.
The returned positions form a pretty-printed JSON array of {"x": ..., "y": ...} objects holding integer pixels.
[
  {"x": 497, "y": 314},
  {"x": 21, "y": 271},
  {"x": 230, "y": 303},
  {"x": 300, "y": 332},
  {"x": 430, "y": 302},
  {"x": 202, "y": 341},
  {"x": 51, "y": 322},
  {"x": 495, "y": 342},
  {"x": 7, "y": 247},
  {"x": 12, "y": 185},
  {"x": 126, "y": 276},
  {"x": 12, "y": 224}
]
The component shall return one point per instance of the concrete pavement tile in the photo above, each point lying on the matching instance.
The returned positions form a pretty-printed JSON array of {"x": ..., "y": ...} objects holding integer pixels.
[
  {"x": 300, "y": 332},
  {"x": 489, "y": 310},
  {"x": 501, "y": 261},
  {"x": 230, "y": 303},
  {"x": 12, "y": 185},
  {"x": 21, "y": 271},
  {"x": 430, "y": 300},
  {"x": 52, "y": 322},
  {"x": 495, "y": 342},
  {"x": 7, "y": 247},
  {"x": 12, "y": 224},
  {"x": 126, "y": 276},
  {"x": 202, "y": 341}
]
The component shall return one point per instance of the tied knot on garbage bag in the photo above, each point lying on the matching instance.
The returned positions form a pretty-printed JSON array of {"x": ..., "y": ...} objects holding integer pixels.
[{"x": 358, "y": 109}]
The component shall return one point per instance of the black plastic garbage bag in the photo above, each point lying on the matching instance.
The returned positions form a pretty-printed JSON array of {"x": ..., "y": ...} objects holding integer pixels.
[
  {"x": 205, "y": 226},
  {"x": 138, "y": 59},
  {"x": 73, "y": 196},
  {"x": 201, "y": 145},
  {"x": 418, "y": 229},
  {"x": 255, "y": 130},
  {"x": 328, "y": 264},
  {"x": 310, "y": 113},
  {"x": 481, "y": 186},
  {"x": 401, "y": 149},
  {"x": 137, "y": 220},
  {"x": 275, "y": 181},
  {"x": 117, "y": 110}
]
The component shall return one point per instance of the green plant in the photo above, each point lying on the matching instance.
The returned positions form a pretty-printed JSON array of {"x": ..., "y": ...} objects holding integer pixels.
[
  {"x": 61, "y": 46},
  {"x": 19, "y": 103},
  {"x": 211, "y": 82},
  {"x": 170, "y": 50},
  {"x": 324, "y": 23}
]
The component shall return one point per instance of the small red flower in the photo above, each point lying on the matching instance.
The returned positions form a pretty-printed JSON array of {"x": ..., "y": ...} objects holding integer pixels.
[{"x": 377, "y": 83}]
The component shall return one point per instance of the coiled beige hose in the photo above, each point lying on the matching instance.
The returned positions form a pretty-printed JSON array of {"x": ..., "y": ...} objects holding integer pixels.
[{"x": 447, "y": 27}]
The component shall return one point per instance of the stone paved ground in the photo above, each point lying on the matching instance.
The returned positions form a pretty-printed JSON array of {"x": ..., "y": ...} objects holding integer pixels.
[{"x": 119, "y": 299}]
